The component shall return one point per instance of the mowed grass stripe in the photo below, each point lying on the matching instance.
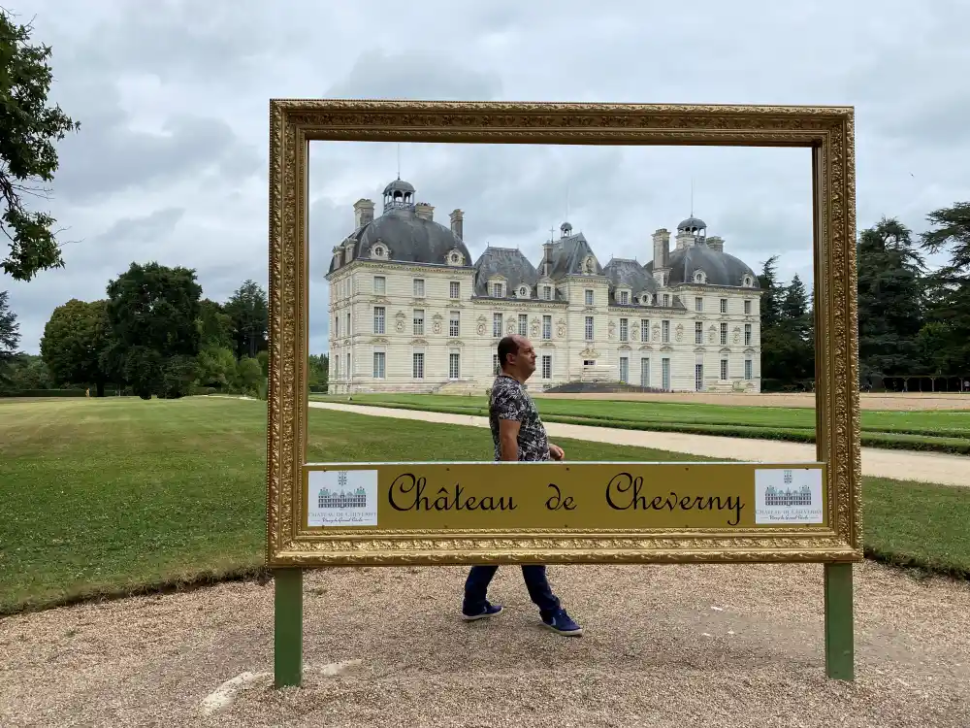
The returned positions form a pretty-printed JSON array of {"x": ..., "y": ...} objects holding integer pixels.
[
  {"x": 111, "y": 497},
  {"x": 890, "y": 433}
]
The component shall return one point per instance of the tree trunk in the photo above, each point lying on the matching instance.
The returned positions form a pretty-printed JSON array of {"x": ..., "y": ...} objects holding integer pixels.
[{"x": 100, "y": 386}]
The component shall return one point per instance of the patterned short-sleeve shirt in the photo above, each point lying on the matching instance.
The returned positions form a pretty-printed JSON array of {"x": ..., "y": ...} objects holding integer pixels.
[{"x": 510, "y": 401}]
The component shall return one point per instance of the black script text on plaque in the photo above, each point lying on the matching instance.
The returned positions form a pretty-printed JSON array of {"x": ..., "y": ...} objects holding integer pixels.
[
  {"x": 623, "y": 492},
  {"x": 407, "y": 494},
  {"x": 557, "y": 502}
]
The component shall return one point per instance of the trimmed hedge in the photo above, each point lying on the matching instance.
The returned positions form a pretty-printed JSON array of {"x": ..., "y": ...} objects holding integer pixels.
[
  {"x": 44, "y": 393},
  {"x": 883, "y": 440}
]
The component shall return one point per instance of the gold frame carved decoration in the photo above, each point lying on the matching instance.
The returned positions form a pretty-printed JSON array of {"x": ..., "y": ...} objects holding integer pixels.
[{"x": 827, "y": 131}]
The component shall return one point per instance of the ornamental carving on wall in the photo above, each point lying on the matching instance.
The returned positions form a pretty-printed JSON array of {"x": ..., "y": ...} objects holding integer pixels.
[
  {"x": 680, "y": 333},
  {"x": 612, "y": 328},
  {"x": 737, "y": 335},
  {"x": 481, "y": 329}
]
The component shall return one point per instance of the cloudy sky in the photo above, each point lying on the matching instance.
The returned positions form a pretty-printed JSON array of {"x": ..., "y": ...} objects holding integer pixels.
[{"x": 170, "y": 163}]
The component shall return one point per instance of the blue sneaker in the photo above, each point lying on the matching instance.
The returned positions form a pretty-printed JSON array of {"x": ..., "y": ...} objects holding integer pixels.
[
  {"x": 562, "y": 623},
  {"x": 489, "y": 610}
]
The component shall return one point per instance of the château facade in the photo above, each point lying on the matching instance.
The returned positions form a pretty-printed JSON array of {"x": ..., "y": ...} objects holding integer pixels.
[{"x": 411, "y": 311}]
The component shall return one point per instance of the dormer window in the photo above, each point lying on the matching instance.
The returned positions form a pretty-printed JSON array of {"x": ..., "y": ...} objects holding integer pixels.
[
  {"x": 747, "y": 282},
  {"x": 547, "y": 293},
  {"x": 699, "y": 277},
  {"x": 498, "y": 290},
  {"x": 645, "y": 299},
  {"x": 624, "y": 298},
  {"x": 379, "y": 251},
  {"x": 523, "y": 292},
  {"x": 455, "y": 258}
]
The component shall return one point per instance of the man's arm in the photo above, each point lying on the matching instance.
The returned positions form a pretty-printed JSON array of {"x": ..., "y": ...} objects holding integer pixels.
[{"x": 508, "y": 439}]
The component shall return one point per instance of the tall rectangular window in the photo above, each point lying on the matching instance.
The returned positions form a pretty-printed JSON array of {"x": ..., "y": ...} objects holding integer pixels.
[
  {"x": 624, "y": 329},
  {"x": 349, "y": 332},
  {"x": 748, "y": 369},
  {"x": 547, "y": 293},
  {"x": 454, "y": 365},
  {"x": 625, "y": 369},
  {"x": 497, "y": 324},
  {"x": 419, "y": 288},
  {"x": 378, "y": 319},
  {"x": 667, "y": 300},
  {"x": 665, "y": 332},
  {"x": 698, "y": 304},
  {"x": 665, "y": 373},
  {"x": 523, "y": 324},
  {"x": 350, "y": 371},
  {"x": 589, "y": 297},
  {"x": 454, "y": 289},
  {"x": 380, "y": 285},
  {"x": 624, "y": 297},
  {"x": 747, "y": 334},
  {"x": 336, "y": 327},
  {"x": 724, "y": 308},
  {"x": 724, "y": 334},
  {"x": 454, "y": 324},
  {"x": 645, "y": 371},
  {"x": 644, "y": 329},
  {"x": 699, "y": 377},
  {"x": 496, "y": 290},
  {"x": 417, "y": 365},
  {"x": 724, "y": 369},
  {"x": 419, "y": 322},
  {"x": 546, "y": 366},
  {"x": 379, "y": 361},
  {"x": 747, "y": 308},
  {"x": 496, "y": 367},
  {"x": 589, "y": 328},
  {"x": 698, "y": 332},
  {"x": 547, "y": 327}
]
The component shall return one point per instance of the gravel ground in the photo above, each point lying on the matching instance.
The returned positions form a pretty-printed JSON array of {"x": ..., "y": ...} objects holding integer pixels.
[
  {"x": 926, "y": 467},
  {"x": 665, "y": 646},
  {"x": 914, "y": 401}
]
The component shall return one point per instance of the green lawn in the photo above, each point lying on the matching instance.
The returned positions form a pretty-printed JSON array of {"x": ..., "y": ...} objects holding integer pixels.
[
  {"x": 944, "y": 431},
  {"x": 105, "y": 497}
]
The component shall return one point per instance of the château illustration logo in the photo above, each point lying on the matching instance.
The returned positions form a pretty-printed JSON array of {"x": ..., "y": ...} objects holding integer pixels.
[
  {"x": 788, "y": 495},
  {"x": 342, "y": 498}
]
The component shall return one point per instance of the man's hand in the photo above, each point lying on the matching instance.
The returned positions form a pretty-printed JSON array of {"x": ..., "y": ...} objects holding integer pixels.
[{"x": 556, "y": 452}]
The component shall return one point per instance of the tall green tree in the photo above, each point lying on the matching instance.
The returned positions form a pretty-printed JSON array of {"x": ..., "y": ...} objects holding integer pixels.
[
  {"x": 249, "y": 309},
  {"x": 949, "y": 299},
  {"x": 153, "y": 316},
  {"x": 771, "y": 299},
  {"x": 75, "y": 338},
  {"x": 215, "y": 326},
  {"x": 890, "y": 301},
  {"x": 9, "y": 335},
  {"x": 28, "y": 129}
]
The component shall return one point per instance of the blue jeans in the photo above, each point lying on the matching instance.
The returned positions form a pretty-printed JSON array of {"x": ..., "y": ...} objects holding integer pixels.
[{"x": 479, "y": 577}]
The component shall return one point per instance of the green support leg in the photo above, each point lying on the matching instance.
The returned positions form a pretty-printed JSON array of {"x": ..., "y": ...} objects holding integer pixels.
[
  {"x": 839, "y": 639},
  {"x": 288, "y": 642}
]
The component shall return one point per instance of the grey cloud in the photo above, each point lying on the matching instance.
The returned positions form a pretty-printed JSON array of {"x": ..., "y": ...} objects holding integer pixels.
[{"x": 414, "y": 74}]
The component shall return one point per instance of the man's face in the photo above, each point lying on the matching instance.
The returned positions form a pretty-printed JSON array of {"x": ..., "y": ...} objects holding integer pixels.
[{"x": 525, "y": 361}]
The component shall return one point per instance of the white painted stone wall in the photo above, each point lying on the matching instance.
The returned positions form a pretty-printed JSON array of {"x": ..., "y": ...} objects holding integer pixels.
[{"x": 353, "y": 294}]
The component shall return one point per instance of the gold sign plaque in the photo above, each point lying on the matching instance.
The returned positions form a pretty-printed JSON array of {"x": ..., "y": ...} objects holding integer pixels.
[
  {"x": 561, "y": 497},
  {"x": 594, "y": 531}
]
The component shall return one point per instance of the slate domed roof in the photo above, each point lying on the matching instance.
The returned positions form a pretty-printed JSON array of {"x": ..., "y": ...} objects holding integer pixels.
[
  {"x": 691, "y": 224},
  {"x": 719, "y": 268},
  {"x": 408, "y": 238},
  {"x": 399, "y": 185},
  {"x": 509, "y": 263}
]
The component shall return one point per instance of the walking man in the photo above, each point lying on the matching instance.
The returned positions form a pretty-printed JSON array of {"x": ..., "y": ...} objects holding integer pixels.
[{"x": 520, "y": 436}]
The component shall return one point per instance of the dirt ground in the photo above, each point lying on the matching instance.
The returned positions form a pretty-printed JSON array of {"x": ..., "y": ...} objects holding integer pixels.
[
  {"x": 898, "y": 402},
  {"x": 665, "y": 646}
]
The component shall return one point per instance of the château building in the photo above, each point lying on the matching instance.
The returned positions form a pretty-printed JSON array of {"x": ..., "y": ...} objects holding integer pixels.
[{"x": 412, "y": 311}]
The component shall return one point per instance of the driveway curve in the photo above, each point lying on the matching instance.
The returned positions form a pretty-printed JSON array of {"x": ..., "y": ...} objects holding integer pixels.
[{"x": 898, "y": 464}]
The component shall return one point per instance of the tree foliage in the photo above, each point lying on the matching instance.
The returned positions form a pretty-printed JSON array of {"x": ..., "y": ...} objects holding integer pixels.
[
  {"x": 248, "y": 307},
  {"x": 153, "y": 313},
  {"x": 9, "y": 334},
  {"x": 28, "y": 129},
  {"x": 74, "y": 341}
]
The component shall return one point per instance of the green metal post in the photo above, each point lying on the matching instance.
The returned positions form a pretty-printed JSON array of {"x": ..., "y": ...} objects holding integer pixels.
[
  {"x": 839, "y": 639},
  {"x": 288, "y": 641}
]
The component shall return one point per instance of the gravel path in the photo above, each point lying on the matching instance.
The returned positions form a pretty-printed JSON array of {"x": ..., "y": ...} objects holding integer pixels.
[
  {"x": 902, "y": 465},
  {"x": 666, "y": 647}
]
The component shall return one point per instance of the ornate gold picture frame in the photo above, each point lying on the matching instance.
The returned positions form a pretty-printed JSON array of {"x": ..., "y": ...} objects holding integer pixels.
[{"x": 826, "y": 131}]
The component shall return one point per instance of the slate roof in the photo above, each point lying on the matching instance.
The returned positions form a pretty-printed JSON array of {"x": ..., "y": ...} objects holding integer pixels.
[
  {"x": 509, "y": 263},
  {"x": 409, "y": 238},
  {"x": 568, "y": 254},
  {"x": 629, "y": 274},
  {"x": 720, "y": 268}
]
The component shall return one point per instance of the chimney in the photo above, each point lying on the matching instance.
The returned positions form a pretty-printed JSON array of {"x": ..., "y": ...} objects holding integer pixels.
[
  {"x": 547, "y": 258},
  {"x": 716, "y": 242},
  {"x": 424, "y": 211},
  {"x": 661, "y": 249},
  {"x": 363, "y": 213},
  {"x": 457, "y": 227}
]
